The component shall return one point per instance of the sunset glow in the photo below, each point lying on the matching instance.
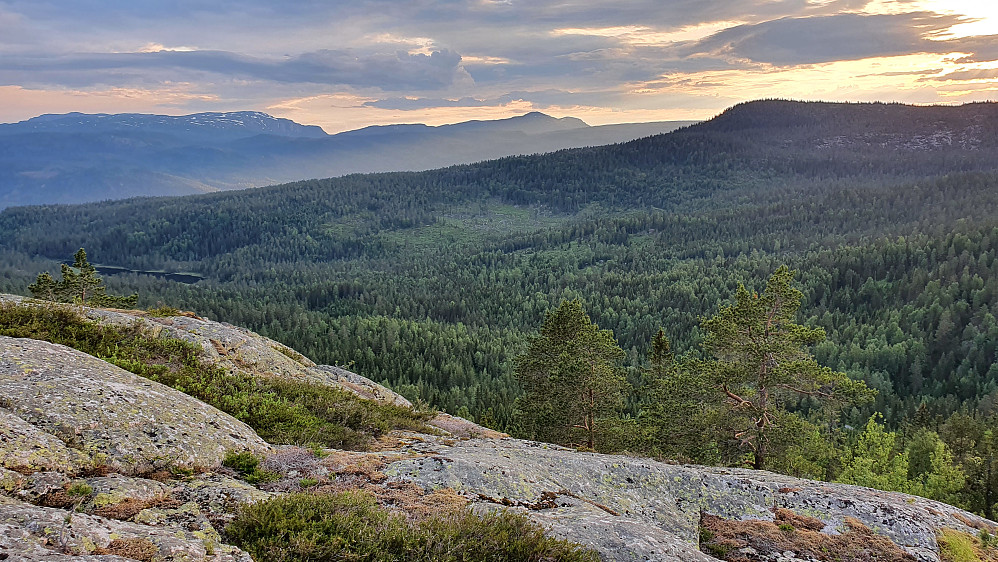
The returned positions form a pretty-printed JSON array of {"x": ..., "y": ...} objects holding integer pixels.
[{"x": 344, "y": 66}]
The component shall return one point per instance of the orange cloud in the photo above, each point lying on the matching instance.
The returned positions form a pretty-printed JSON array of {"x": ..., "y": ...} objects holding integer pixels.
[{"x": 17, "y": 103}]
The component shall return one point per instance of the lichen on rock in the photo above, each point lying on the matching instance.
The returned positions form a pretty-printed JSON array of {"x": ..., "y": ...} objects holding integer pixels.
[
  {"x": 109, "y": 415},
  {"x": 26, "y": 447},
  {"x": 42, "y": 531},
  {"x": 637, "y": 509}
]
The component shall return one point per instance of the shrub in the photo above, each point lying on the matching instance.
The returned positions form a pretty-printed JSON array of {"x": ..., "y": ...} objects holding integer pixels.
[
  {"x": 248, "y": 466},
  {"x": 955, "y": 546},
  {"x": 141, "y": 549},
  {"x": 351, "y": 526},
  {"x": 163, "y": 311},
  {"x": 79, "y": 490},
  {"x": 725, "y": 539},
  {"x": 242, "y": 462}
]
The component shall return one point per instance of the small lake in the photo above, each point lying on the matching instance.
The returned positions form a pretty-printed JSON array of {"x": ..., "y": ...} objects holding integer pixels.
[{"x": 187, "y": 278}]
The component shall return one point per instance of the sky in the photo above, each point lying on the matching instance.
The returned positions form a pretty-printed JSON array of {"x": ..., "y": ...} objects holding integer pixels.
[{"x": 345, "y": 65}]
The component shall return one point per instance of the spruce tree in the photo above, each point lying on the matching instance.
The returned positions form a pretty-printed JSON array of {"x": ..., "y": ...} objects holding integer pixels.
[
  {"x": 574, "y": 385},
  {"x": 675, "y": 416}
]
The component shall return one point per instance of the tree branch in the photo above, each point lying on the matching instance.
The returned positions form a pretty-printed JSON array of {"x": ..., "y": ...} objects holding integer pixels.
[{"x": 739, "y": 401}]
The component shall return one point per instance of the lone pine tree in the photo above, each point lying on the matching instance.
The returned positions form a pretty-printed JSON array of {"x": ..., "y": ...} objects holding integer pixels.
[
  {"x": 79, "y": 284},
  {"x": 760, "y": 363}
]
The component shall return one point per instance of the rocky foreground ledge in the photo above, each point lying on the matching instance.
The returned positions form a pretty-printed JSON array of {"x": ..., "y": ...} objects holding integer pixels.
[{"x": 151, "y": 457}]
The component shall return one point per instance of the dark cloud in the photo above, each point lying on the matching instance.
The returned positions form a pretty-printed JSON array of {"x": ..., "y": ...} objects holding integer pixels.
[
  {"x": 799, "y": 41},
  {"x": 983, "y": 48},
  {"x": 388, "y": 71}
]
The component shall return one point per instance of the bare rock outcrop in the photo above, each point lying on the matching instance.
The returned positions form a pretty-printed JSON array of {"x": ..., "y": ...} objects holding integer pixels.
[
  {"x": 638, "y": 509},
  {"x": 64, "y": 413},
  {"x": 237, "y": 349},
  {"x": 66, "y": 410}
]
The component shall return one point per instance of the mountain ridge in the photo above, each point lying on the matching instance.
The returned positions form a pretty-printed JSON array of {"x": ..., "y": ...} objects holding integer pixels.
[
  {"x": 217, "y": 126},
  {"x": 76, "y": 157}
]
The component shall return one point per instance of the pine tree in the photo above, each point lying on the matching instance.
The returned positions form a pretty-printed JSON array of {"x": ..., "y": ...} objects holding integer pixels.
[
  {"x": 761, "y": 362},
  {"x": 81, "y": 281},
  {"x": 79, "y": 284},
  {"x": 44, "y": 287},
  {"x": 574, "y": 385}
]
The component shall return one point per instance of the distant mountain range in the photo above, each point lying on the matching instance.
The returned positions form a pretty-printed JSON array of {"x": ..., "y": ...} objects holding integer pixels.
[{"x": 77, "y": 157}]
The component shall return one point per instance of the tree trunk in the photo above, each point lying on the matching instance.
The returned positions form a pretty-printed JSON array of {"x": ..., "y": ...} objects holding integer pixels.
[
  {"x": 760, "y": 453},
  {"x": 989, "y": 497},
  {"x": 592, "y": 420}
]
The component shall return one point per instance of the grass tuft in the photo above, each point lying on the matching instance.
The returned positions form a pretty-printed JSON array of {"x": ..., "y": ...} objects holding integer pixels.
[{"x": 955, "y": 546}]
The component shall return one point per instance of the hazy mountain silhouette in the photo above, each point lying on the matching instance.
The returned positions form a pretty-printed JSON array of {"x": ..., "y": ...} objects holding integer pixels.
[{"x": 78, "y": 157}]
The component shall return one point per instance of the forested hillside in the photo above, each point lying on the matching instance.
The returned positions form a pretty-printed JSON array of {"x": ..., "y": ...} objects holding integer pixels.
[
  {"x": 433, "y": 281},
  {"x": 75, "y": 158}
]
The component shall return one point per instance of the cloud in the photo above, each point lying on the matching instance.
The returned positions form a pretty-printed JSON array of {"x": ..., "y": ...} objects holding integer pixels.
[
  {"x": 537, "y": 99},
  {"x": 977, "y": 74},
  {"x": 443, "y": 59},
  {"x": 982, "y": 48},
  {"x": 388, "y": 71},
  {"x": 20, "y": 102},
  {"x": 798, "y": 41},
  {"x": 413, "y": 104}
]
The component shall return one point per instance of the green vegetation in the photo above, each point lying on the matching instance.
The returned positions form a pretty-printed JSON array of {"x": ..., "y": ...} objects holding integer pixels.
[
  {"x": 79, "y": 284},
  {"x": 756, "y": 395},
  {"x": 351, "y": 526},
  {"x": 280, "y": 411},
  {"x": 955, "y": 546},
  {"x": 953, "y": 465},
  {"x": 162, "y": 311},
  {"x": 79, "y": 490},
  {"x": 433, "y": 282},
  {"x": 248, "y": 467},
  {"x": 760, "y": 363},
  {"x": 572, "y": 379}
]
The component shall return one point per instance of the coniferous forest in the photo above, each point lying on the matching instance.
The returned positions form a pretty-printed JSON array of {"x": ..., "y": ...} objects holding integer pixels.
[{"x": 438, "y": 283}]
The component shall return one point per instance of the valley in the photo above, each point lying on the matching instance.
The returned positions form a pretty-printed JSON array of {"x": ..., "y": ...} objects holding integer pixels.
[{"x": 436, "y": 283}]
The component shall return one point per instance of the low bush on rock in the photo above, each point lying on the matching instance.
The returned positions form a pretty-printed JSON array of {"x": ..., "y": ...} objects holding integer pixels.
[
  {"x": 248, "y": 466},
  {"x": 280, "y": 411},
  {"x": 141, "y": 549},
  {"x": 351, "y": 526},
  {"x": 955, "y": 546},
  {"x": 746, "y": 541}
]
